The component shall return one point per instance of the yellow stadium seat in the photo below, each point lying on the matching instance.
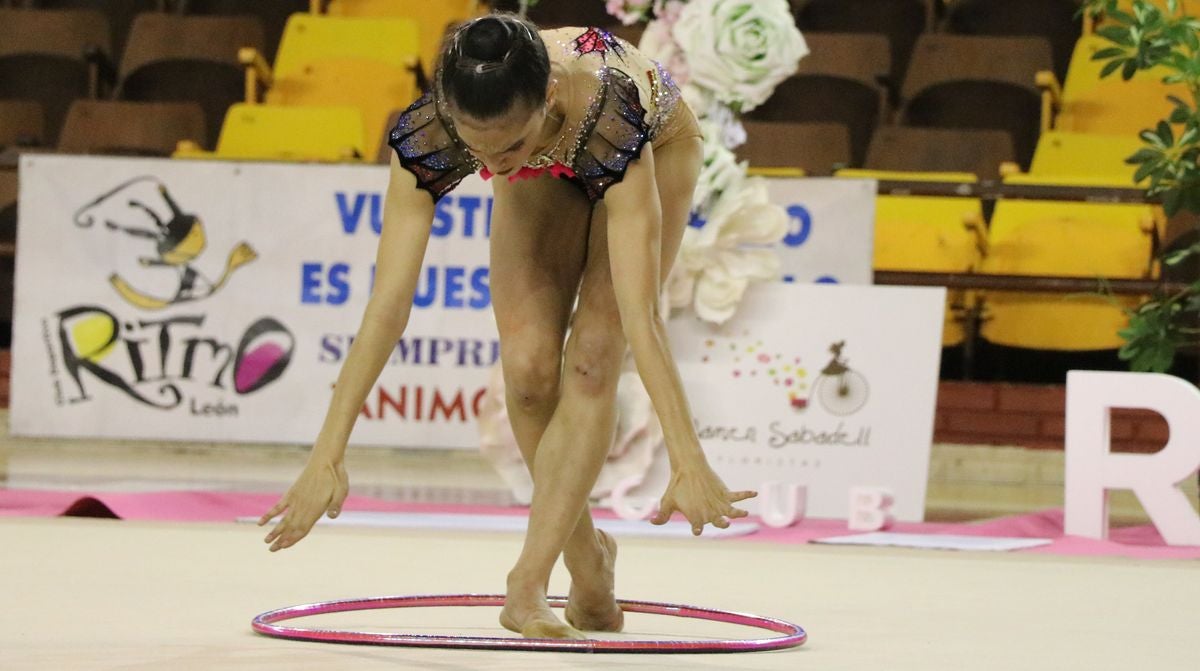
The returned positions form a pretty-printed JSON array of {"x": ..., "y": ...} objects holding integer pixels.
[
  {"x": 308, "y": 39},
  {"x": 929, "y": 234},
  {"x": 432, "y": 18},
  {"x": 324, "y": 61},
  {"x": 282, "y": 133},
  {"x": 1065, "y": 239},
  {"x": 1099, "y": 158},
  {"x": 1085, "y": 103}
]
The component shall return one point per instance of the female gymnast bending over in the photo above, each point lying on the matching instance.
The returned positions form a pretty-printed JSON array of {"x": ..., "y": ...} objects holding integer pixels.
[{"x": 596, "y": 159}]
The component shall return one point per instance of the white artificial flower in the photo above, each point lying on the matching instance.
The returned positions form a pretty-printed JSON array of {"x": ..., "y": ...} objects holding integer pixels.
[
  {"x": 629, "y": 11},
  {"x": 719, "y": 261},
  {"x": 720, "y": 170},
  {"x": 739, "y": 49},
  {"x": 658, "y": 44}
]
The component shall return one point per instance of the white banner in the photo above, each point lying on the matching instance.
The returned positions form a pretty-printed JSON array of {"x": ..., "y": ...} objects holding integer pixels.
[
  {"x": 832, "y": 388},
  {"x": 210, "y": 301},
  {"x": 216, "y": 301},
  {"x": 832, "y": 234}
]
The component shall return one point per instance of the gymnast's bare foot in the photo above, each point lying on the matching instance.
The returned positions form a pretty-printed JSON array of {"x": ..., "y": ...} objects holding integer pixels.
[
  {"x": 591, "y": 605},
  {"x": 527, "y": 613}
]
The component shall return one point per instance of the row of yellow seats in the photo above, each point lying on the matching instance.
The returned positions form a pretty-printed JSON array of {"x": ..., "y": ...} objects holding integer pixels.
[
  {"x": 1028, "y": 237},
  {"x": 336, "y": 80}
]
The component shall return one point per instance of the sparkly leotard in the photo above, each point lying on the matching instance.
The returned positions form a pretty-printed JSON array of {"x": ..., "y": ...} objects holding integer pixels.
[{"x": 619, "y": 100}]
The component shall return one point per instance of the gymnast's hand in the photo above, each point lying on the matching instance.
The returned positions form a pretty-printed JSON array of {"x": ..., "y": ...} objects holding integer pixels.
[
  {"x": 321, "y": 488},
  {"x": 698, "y": 492}
]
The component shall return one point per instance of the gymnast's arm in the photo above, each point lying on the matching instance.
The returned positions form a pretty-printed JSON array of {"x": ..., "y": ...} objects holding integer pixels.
[
  {"x": 323, "y": 485},
  {"x": 634, "y": 247}
]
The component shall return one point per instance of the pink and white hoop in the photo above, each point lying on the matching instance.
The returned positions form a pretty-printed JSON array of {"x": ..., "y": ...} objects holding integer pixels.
[{"x": 265, "y": 624}]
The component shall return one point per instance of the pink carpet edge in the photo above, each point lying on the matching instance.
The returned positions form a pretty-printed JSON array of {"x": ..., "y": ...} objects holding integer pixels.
[{"x": 1137, "y": 542}]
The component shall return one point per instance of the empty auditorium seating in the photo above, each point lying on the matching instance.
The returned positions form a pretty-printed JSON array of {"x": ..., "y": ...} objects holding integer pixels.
[
  {"x": 979, "y": 82},
  {"x": 928, "y": 234},
  {"x": 839, "y": 82},
  {"x": 324, "y": 61},
  {"x": 119, "y": 14},
  {"x": 173, "y": 58},
  {"x": 1085, "y": 103},
  {"x": 281, "y": 133},
  {"x": 903, "y": 148},
  {"x": 22, "y": 123},
  {"x": 432, "y": 18},
  {"x": 813, "y": 148},
  {"x": 900, "y": 21},
  {"x": 43, "y": 58},
  {"x": 1032, "y": 237},
  {"x": 115, "y": 127},
  {"x": 1056, "y": 20},
  {"x": 273, "y": 14}
]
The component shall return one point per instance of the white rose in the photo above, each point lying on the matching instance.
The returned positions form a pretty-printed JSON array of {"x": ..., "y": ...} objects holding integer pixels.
[
  {"x": 739, "y": 49},
  {"x": 746, "y": 216},
  {"x": 718, "y": 294},
  {"x": 658, "y": 44},
  {"x": 719, "y": 173}
]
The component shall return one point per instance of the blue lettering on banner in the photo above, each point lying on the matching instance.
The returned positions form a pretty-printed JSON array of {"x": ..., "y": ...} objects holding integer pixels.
[
  {"x": 452, "y": 208},
  {"x": 444, "y": 286},
  {"x": 826, "y": 279},
  {"x": 421, "y": 351},
  {"x": 314, "y": 276},
  {"x": 800, "y": 227},
  {"x": 474, "y": 213},
  {"x": 351, "y": 215}
]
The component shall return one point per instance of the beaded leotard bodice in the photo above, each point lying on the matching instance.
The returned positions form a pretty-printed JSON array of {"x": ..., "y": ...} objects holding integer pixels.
[{"x": 620, "y": 101}]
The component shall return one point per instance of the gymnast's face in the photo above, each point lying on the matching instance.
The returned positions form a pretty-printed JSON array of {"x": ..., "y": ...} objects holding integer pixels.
[{"x": 503, "y": 143}]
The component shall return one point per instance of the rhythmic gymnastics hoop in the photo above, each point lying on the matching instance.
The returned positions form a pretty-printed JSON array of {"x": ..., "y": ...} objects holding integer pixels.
[{"x": 265, "y": 624}]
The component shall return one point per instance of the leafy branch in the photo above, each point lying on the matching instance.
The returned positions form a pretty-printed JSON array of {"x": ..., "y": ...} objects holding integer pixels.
[{"x": 1145, "y": 38}]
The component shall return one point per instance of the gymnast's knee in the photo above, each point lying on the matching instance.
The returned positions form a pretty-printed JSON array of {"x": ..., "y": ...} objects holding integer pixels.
[
  {"x": 532, "y": 374},
  {"x": 593, "y": 361}
]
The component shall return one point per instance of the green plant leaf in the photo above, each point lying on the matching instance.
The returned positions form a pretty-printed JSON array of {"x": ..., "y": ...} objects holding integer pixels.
[
  {"x": 1143, "y": 155},
  {"x": 1108, "y": 52},
  {"x": 1117, "y": 35},
  {"x": 1111, "y": 67},
  {"x": 1172, "y": 199},
  {"x": 1164, "y": 132},
  {"x": 1151, "y": 138}
]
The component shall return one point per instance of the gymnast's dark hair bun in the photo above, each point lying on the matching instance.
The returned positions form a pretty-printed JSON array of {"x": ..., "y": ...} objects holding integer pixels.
[{"x": 491, "y": 63}]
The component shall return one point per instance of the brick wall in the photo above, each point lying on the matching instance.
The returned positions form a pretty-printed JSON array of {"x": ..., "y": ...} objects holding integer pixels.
[{"x": 1033, "y": 416}]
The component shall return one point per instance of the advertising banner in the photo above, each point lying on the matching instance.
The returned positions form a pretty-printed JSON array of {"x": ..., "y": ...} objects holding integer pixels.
[
  {"x": 800, "y": 388},
  {"x": 214, "y": 301}
]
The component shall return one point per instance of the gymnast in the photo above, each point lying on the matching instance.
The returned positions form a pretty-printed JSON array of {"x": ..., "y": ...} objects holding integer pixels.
[{"x": 595, "y": 158}]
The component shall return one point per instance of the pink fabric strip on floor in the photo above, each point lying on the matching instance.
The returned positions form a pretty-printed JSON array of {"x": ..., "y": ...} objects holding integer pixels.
[{"x": 1140, "y": 542}]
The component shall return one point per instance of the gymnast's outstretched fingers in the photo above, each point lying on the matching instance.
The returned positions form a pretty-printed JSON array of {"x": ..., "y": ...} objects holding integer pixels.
[
  {"x": 700, "y": 495},
  {"x": 321, "y": 489}
]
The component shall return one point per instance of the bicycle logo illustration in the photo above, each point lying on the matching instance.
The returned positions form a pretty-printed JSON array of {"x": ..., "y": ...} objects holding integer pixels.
[{"x": 840, "y": 389}]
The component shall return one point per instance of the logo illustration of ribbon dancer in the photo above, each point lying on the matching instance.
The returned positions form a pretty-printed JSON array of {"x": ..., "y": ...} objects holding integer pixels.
[{"x": 151, "y": 214}]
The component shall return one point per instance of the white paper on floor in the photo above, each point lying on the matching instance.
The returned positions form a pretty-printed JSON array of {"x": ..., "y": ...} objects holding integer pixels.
[
  {"x": 465, "y": 522},
  {"x": 936, "y": 541}
]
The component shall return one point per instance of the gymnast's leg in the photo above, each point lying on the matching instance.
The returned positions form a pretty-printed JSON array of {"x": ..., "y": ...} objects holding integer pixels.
[
  {"x": 576, "y": 441},
  {"x": 538, "y": 244}
]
